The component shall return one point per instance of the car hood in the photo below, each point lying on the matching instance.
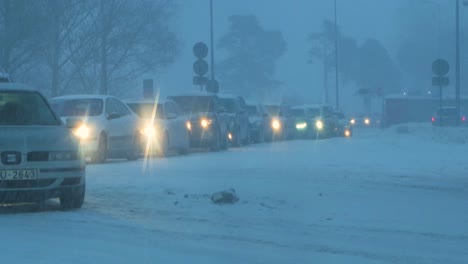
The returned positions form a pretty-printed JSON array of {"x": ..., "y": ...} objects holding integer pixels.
[
  {"x": 36, "y": 138},
  {"x": 196, "y": 116}
]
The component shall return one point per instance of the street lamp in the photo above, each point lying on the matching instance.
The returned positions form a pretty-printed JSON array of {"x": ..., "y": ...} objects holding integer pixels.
[
  {"x": 211, "y": 41},
  {"x": 336, "y": 63}
]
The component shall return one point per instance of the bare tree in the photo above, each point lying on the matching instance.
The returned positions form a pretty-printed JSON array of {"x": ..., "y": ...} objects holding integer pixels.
[
  {"x": 66, "y": 32},
  {"x": 18, "y": 31},
  {"x": 134, "y": 38}
]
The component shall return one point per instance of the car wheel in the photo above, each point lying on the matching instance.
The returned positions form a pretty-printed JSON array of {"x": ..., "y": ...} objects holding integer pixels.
[
  {"x": 261, "y": 136},
  {"x": 185, "y": 149},
  {"x": 216, "y": 141},
  {"x": 247, "y": 138},
  {"x": 73, "y": 199},
  {"x": 134, "y": 153},
  {"x": 236, "y": 140},
  {"x": 100, "y": 155}
]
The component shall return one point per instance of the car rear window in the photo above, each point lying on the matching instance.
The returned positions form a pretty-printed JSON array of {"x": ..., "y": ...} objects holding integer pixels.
[
  {"x": 447, "y": 111},
  {"x": 25, "y": 108}
]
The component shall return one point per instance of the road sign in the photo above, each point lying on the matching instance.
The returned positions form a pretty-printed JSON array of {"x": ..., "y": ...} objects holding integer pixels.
[
  {"x": 440, "y": 81},
  {"x": 200, "y": 50},
  {"x": 199, "y": 80},
  {"x": 212, "y": 86},
  {"x": 200, "y": 67},
  {"x": 440, "y": 67}
]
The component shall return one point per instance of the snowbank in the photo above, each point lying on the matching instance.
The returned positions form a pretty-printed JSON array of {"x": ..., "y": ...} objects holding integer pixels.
[{"x": 425, "y": 131}]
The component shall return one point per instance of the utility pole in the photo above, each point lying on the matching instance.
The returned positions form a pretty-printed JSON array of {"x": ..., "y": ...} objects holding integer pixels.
[
  {"x": 457, "y": 60},
  {"x": 211, "y": 40},
  {"x": 336, "y": 63}
]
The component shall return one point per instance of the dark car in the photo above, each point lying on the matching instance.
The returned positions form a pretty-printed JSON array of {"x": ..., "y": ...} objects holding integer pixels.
[
  {"x": 208, "y": 123},
  {"x": 322, "y": 123},
  {"x": 280, "y": 122},
  {"x": 448, "y": 116},
  {"x": 342, "y": 125},
  {"x": 258, "y": 120},
  {"x": 238, "y": 119}
]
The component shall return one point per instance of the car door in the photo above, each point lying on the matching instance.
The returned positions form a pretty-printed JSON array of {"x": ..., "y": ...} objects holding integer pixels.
[
  {"x": 118, "y": 127},
  {"x": 243, "y": 118},
  {"x": 172, "y": 123}
]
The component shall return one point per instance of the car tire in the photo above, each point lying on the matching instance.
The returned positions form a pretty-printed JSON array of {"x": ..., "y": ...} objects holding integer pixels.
[
  {"x": 165, "y": 145},
  {"x": 100, "y": 156},
  {"x": 186, "y": 148},
  {"x": 135, "y": 152},
  {"x": 73, "y": 199},
  {"x": 247, "y": 138},
  {"x": 216, "y": 144},
  {"x": 236, "y": 142}
]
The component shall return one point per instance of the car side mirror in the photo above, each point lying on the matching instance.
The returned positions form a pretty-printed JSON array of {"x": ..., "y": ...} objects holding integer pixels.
[
  {"x": 73, "y": 122},
  {"x": 171, "y": 116},
  {"x": 112, "y": 116}
]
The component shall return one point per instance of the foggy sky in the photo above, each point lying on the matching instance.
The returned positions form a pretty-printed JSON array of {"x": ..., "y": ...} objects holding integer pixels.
[{"x": 361, "y": 19}]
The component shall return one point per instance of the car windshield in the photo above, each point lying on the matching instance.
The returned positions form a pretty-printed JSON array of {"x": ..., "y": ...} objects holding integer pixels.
[
  {"x": 147, "y": 110},
  {"x": 313, "y": 112},
  {"x": 195, "y": 104},
  {"x": 298, "y": 112},
  {"x": 25, "y": 109},
  {"x": 78, "y": 107},
  {"x": 272, "y": 109},
  {"x": 229, "y": 104}
]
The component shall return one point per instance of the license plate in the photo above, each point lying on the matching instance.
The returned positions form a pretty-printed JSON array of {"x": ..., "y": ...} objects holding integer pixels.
[{"x": 18, "y": 174}]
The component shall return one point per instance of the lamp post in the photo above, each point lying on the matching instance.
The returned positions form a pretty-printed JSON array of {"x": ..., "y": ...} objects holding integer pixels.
[
  {"x": 337, "y": 102},
  {"x": 211, "y": 41}
]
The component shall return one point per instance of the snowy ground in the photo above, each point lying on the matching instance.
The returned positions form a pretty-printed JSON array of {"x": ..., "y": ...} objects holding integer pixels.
[{"x": 380, "y": 197}]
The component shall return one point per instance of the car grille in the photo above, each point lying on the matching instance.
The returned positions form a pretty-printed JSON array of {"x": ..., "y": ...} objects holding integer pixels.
[
  {"x": 38, "y": 156},
  {"x": 18, "y": 184}
]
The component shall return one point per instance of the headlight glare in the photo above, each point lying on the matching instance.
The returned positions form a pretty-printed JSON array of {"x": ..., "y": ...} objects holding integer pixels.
[
  {"x": 319, "y": 124},
  {"x": 205, "y": 123},
  {"x": 275, "y": 124},
  {"x": 149, "y": 131},
  {"x": 82, "y": 132}
]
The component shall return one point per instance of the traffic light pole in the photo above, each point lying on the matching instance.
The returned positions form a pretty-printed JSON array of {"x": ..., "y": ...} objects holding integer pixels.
[{"x": 211, "y": 40}]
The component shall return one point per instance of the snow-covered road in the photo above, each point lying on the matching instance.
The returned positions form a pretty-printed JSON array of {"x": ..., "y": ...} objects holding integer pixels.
[{"x": 380, "y": 197}]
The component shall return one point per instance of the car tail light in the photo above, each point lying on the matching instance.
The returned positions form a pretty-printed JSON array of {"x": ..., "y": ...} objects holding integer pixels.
[
  {"x": 433, "y": 119},
  {"x": 463, "y": 118}
]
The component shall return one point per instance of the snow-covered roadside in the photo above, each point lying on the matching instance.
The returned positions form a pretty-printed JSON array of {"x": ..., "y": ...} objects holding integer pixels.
[{"x": 381, "y": 197}]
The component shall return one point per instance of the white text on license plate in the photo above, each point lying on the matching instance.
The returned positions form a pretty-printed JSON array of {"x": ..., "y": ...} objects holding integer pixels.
[{"x": 18, "y": 174}]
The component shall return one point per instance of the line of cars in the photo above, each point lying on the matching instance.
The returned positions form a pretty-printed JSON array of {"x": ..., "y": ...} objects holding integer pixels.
[{"x": 45, "y": 144}]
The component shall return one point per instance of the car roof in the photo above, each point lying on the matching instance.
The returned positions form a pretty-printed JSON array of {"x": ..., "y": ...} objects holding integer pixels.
[
  {"x": 148, "y": 101},
  {"x": 82, "y": 96},
  {"x": 16, "y": 87},
  {"x": 228, "y": 96},
  {"x": 193, "y": 93}
]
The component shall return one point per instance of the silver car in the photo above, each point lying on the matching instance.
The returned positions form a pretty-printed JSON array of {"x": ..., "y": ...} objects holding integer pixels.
[
  {"x": 108, "y": 129},
  {"x": 165, "y": 129},
  {"x": 40, "y": 157}
]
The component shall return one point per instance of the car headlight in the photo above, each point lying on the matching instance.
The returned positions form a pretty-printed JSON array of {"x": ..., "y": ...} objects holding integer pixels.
[
  {"x": 301, "y": 126},
  {"x": 82, "y": 132},
  {"x": 63, "y": 156},
  {"x": 188, "y": 125},
  {"x": 352, "y": 121},
  {"x": 367, "y": 121},
  {"x": 205, "y": 123},
  {"x": 347, "y": 133},
  {"x": 275, "y": 124},
  {"x": 319, "y": 124},
  {"x": 149, "y": 131}
]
